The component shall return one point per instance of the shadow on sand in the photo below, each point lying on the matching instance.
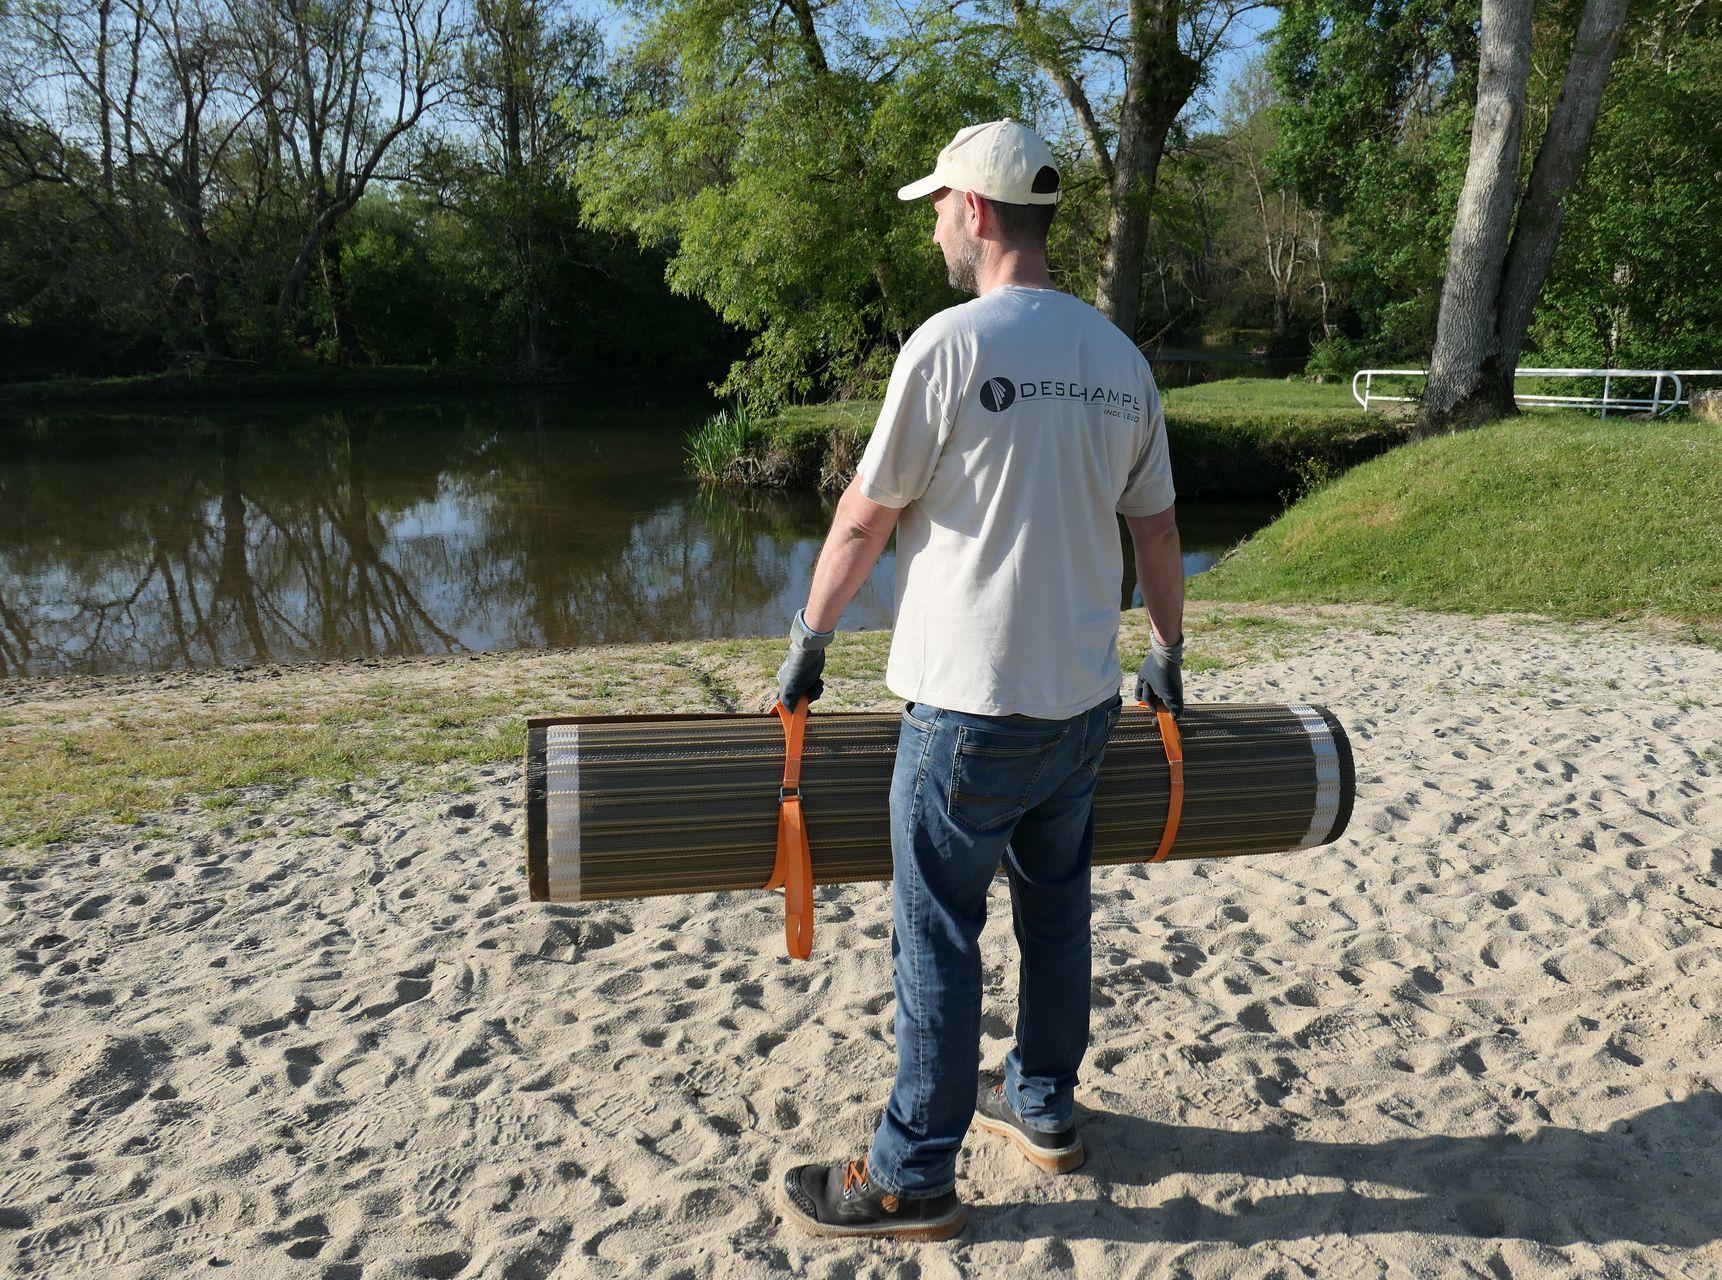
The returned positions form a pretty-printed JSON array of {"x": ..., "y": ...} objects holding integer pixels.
[{"x": 1651, "y": 1179}]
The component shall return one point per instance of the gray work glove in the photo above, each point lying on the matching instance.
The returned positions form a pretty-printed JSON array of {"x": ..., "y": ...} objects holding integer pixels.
[
  {"x": 800, "y": 671},
  {"x": 1160, "y": 682}
]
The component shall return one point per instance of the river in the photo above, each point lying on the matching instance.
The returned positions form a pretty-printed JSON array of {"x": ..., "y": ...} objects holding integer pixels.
[{"x": 299, "y": 531}]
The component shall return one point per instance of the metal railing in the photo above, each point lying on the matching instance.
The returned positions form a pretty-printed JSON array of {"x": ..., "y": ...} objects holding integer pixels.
[{"x": 1668, "y": 389}]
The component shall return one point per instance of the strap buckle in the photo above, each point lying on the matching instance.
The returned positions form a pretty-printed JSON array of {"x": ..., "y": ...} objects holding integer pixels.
[{"x": 788, "y": 793}]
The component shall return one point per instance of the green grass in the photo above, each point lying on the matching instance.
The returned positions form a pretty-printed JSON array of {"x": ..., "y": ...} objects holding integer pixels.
[
  {"x": 127, "y": 755},
  {"x": 53, "y": 777},
  {"x": 1262, "y": 396},
  {"x": 792, "y": 427},
  {"x": 818, "y": 419},
  {"x": 1560, "y": 514},
  {"x": 1290, "y": 397}
]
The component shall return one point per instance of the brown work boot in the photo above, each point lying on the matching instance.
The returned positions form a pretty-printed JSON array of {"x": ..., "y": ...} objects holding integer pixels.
[
  {"x": 1058, "y": 1152},
  {"x": 838, "y": 1200}
]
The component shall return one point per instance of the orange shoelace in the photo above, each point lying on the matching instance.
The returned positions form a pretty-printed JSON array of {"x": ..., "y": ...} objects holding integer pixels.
[{"x": 855, "y": 1174}]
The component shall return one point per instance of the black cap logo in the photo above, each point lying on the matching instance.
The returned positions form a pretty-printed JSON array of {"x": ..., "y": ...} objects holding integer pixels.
[{"x": 998, "y": 394}]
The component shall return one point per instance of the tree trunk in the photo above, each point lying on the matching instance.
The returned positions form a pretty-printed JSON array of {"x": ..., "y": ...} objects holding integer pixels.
[
  {"x": 205, "y": 274},
  {"x": 105, "y": 105},
  {"x": 1318, "y": 235},
  {"x": 810, "y": 42},
  {"x": 1465, "y": 336},
  {"x": 1160, "y": 80},
  {"x": 335, "y": 288},
  {"x": 530, "y": 352},
  {"x": 521, "y": 195},
  {"x": 1559, "y": 161},
  {"x": 206, "y": 284}
]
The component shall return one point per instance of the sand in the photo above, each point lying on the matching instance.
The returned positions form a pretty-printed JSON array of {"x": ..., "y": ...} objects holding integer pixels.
[{"x": 1480, "y": 1036}]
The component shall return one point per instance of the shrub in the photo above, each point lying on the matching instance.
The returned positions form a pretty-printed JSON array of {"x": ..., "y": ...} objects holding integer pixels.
[
  {"x": 1336, "y": 359},
  {"x": 718, "y": 446}
]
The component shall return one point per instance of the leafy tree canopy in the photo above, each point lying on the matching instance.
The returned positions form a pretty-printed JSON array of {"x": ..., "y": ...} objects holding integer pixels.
[
  {"x": 763, "y": 148},
  {"x": 1637, "y": 278}
]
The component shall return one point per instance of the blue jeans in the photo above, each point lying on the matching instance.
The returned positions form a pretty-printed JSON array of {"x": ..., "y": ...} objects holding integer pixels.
[{"x": 968, "y": 791}]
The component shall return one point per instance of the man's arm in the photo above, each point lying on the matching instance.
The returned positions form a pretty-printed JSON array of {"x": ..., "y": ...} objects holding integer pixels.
[
  {"x": 1159, "y": 571},
  {"x": 859, "y": 531}
]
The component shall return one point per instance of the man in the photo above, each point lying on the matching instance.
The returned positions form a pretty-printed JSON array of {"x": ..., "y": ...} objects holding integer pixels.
[{"x": 1013, "y": 428}]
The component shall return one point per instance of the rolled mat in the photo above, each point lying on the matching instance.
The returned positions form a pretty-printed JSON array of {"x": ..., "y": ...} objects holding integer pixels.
[{"x": 639, "y": 806}]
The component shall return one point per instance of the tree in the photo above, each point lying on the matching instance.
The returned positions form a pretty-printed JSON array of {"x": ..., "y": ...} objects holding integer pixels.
[
  {"x": 1185, "y": 277},
  {"x": 343, "y": 80},
  {"x": 1159, "y": 50},
  {"x": 1465, "y": 330},
  {"x": 762, "y": 149},
  {"x": 1496, "y": 265},
  {"x": 1371, "y": 119},
  {"x": 1637, "y": 276},
  {"x": 1280, "y": 222},
  {"x": 513, "y": 174},
  {"x": 152, "y": 88}
]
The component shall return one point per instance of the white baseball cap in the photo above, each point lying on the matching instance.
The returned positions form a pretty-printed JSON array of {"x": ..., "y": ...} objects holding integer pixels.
[{"x": 999, "y": 160}]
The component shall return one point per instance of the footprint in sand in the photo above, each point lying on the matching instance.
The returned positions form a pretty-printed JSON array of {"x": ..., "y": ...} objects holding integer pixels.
[{"x": 407, "y": 990}]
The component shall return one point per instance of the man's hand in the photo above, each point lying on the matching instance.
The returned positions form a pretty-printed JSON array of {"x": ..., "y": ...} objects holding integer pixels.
[
  {"x": 801, "y": 670},
  {"x": 1160, "y": 682},
  {"x": 1160, "y": 574},
  {"x": 859, "y": 531}
]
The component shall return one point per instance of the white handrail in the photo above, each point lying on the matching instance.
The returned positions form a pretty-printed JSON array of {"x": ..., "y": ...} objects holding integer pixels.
[{"x": 1657, "y": 403}]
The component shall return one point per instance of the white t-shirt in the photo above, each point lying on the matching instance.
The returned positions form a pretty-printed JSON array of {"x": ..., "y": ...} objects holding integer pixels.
[{"x": 1013, "y": 428}]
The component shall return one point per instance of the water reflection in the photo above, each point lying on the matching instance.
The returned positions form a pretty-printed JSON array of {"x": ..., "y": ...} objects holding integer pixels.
[{"x": 153, "y": 542}]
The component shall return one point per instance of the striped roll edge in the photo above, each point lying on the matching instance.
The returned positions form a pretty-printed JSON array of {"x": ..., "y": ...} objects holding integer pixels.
[
  {"x": 1347, "y": 775},
  {"x": 537, "y": 824},
  {"x": 537, "y": 789},
  {"x": 538, "y": 783}
]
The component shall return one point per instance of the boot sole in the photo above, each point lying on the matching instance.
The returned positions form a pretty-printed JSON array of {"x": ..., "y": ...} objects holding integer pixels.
[
  {"x": 1047, "y": 1159},
  {"x": 938, "y": 1229}
]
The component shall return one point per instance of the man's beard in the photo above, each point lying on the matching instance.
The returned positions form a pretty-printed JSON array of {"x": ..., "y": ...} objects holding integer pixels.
[{"x": 964, "y": 268}]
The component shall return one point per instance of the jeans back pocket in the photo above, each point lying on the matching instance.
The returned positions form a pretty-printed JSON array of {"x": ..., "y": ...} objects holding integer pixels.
[{"x": 994, "y": 772}]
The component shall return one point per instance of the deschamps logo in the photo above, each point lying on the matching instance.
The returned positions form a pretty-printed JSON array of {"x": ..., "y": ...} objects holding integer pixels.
[{"x": 999, "y": 394}]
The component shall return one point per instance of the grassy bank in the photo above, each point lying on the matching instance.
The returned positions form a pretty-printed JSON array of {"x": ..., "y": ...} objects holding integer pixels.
[
  {"x": 122, "y": 751},
  {"x": 1268, "y": 436},
  {"x": 1558, "y": 514},
  {"x": 237, "y": 384},
  {"x": 1240, "y": 436},
  {"x": 802, "y": 447}
]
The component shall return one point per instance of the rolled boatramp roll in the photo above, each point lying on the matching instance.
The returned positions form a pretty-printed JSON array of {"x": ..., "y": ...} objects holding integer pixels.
[{"x": 642, "y": 806}]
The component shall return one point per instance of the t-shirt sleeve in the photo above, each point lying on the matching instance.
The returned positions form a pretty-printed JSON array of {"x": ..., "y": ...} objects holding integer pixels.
[
  {"x": 904, "y": 449},
  {"x": 1148, "y": 490}
]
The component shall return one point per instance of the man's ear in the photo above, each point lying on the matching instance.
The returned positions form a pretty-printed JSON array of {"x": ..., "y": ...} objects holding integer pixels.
[{"x": 977, "y": 218}]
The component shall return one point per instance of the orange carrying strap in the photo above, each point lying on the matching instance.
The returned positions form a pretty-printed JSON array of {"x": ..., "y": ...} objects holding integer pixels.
[
  {"x": 1174, "y": 745},
  {"x": 793, "y": 872}
]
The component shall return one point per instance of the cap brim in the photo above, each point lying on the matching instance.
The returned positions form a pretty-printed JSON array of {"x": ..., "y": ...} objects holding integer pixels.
[{"x": 921, "y": 187}]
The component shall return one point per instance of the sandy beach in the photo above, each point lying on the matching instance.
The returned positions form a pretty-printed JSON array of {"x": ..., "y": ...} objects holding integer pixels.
[{"x": 328, "y": 1035}]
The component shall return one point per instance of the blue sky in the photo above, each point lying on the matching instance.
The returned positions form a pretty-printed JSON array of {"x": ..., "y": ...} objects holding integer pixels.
[{"x": 1243, "y": 40}]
